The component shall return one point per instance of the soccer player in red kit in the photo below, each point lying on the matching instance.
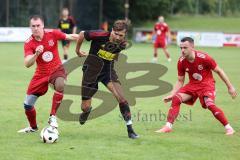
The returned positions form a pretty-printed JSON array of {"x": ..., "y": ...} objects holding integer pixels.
[
  {"x": 42, "y": 48},
  {"x": 161, "y": 33},
  {"x": 199, "y": 67}
]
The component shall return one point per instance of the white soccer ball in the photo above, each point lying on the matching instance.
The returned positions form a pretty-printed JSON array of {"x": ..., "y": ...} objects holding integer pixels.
[{"x": 49, "y": 134}]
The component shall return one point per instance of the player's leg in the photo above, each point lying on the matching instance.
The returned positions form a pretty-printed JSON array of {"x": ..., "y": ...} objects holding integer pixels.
[
  {"x": 155, "y": 53},
  {"x": 57, "y": 79},
  {"x": 37, "y": 87},
  {"x": 30, "y": 113},
  {"x": 86, "y": 108},
  {"x": 88, "y": 91},
  {"x": 174, "y": 111},
  {"x": 218, "y": 114},
  {"x": 58, "y": 84},
  {"x": 89, "y": 86},
  {"x": 117, "y": 91},
  {"x": 165, "y": 51},
  {"x": 65, "y": 45}
]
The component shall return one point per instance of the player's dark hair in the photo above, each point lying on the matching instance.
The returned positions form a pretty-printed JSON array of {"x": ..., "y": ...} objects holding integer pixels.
[
  {"x": 189, "y": 39},
  {"x": 35, "y": 17},
  {"x": 120, "y": 25}
]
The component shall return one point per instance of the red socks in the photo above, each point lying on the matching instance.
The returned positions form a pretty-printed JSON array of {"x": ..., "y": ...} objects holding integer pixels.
[
  {"x": 31, "y": 116},
  {"x": 56, "y": 101},
  {"x": 174, "y": 110},
  {"x": 218, "y": 114}
]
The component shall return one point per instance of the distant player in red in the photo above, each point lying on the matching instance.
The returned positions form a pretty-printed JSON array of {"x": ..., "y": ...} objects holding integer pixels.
[
  {"x": 161, "y": 34},
  {"x": 199, "y": 67},
  {"x": 67, "y": 24},
  {"x": 42, "y": 48}
]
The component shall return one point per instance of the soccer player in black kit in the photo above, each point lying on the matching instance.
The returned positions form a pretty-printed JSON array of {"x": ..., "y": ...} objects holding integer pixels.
[
  {"x": 99, "y": 67},
  {"x": 67, "y": 25}
]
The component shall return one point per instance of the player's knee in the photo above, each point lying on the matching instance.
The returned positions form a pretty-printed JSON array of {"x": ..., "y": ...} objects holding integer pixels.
[
  {"x": 122, "y": 100},
  {"x": 59, "y": 87},
  {"x": 59, "y": 84},
  {"x": 123, "y": 103},
  {"x": 176, "y": 100},
  {"x": 209, "y": 102},
  {"x": 27, "y": 107},
  {"x": 30, "y": 101}
]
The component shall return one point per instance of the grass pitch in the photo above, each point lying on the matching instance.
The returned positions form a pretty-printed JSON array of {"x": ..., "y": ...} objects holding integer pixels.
[{"x": 198, "y": 136}]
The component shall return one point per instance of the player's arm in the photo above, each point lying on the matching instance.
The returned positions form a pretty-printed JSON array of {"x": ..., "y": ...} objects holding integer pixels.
[
  {"x": 30, "y": 59},
  {"x": 177, "y": 86},
  {"x": 72, "y": 37},
  {"x": 74, "y": 29},
  {"x": 225, "y": 79},
  {"x": 74, "y": 25},
  {"x": 79, "y": 44}
]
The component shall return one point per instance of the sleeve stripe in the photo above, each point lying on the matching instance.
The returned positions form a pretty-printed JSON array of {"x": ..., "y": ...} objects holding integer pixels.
[{"x": 98, "y": 34}]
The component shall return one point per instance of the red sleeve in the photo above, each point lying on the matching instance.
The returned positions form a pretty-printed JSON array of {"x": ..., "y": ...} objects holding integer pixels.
[
  {"x": 59, "y": 35},
  {"x": 211, "y": 62},
  {"x": 181, "y": 71},
  {"x": 167, "y": 28},
  {"x": 28, "y": 50},
  {"x": 95, "y": 35}
]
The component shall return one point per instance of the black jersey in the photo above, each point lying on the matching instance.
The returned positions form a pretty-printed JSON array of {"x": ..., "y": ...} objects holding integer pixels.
[
  {"x": 102, "y": 47},
  {"x": 99, "y": 64},
  {"x": 67, "y": 25}
]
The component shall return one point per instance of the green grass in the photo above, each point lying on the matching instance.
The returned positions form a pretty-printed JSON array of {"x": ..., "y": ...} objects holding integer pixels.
[
  {"x": 197, "y": 138},
  {"x": 201, "y": 23}
]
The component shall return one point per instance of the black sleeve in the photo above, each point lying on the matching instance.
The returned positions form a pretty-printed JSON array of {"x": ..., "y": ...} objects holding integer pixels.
[
  {"x": 95, "y": 35},
  {"x": 72, "y": 21}
]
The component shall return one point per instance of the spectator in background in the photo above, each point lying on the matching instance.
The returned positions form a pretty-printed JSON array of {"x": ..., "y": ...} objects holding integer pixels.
[{"x": 67, "y": 24}]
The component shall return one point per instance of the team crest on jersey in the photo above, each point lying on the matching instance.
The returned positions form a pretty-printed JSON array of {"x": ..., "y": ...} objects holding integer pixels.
[
  {"x": 197, "y": 76},
  {"x": 47, "y": 56},
  {"x": 51, "y": 42},
  {"x": 200, "y": 67}
]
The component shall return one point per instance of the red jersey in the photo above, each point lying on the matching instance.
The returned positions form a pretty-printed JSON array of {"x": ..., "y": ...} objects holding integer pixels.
[
  {"x": 48, "y": 61},
  {"x": 161, "y": 29},
  {"x": 199, "y": 71}
]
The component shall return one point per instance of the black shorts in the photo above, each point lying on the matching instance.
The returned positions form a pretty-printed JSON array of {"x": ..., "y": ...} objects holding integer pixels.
[
  {"x": 92, "y": 76},
  {"x": 65, "y": 42}
]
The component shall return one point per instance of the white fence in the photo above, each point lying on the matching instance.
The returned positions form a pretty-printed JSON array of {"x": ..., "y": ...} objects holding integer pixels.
[
  {"x": 14, "y": 34},
  {"x": 206, "y": 39}
]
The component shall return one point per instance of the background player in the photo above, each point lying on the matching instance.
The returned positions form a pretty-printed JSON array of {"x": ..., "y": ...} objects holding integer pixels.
[
  {"x": 201, "y": 85},
  {"x": 42, "y": 48},
  {"x": 67, "y": 25},
  {"x": 161, "y": 34},
  {"x": 99, "y": 67}
]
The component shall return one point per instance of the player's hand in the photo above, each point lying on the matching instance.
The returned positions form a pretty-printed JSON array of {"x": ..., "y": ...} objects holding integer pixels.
[
  {"x": 81, "y": 53},
  {"x": 167, "y": 99},
  {"x": 232, "y": 92},
  {"x": 39, "y": 49}
]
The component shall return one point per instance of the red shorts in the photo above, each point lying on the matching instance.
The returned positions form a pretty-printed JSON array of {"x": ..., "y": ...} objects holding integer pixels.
[
  {"x": 200, "y": 92},
  {"x": 160, "y": 44},
  {"x": 39, "y": 83}
]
